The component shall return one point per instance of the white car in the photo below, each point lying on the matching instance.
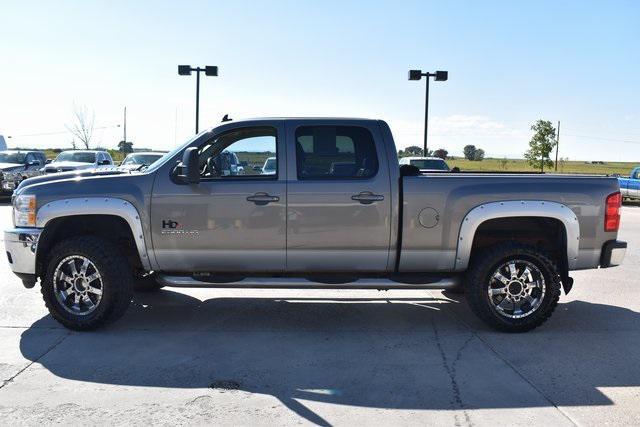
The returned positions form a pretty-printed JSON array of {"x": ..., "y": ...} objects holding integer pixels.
[
  {"x": 426, "y": 164},
  {"x": 269, "y": 167},
  {"x": 73, "y": 160},
  {"x": 141, "y": 160}
]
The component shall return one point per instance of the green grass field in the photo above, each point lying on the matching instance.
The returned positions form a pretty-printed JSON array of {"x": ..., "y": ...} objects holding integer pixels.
[{"x": 520, "y": 165}]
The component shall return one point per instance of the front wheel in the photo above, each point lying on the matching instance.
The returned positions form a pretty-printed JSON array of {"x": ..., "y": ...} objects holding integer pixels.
[
  {"x": 513, "y": 287},
  {"x": 88, "y": 283}
]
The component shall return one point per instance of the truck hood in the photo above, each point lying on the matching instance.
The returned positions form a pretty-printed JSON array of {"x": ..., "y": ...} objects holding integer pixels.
[
  {"x": 64, "y": 176},
  {"x": 7, "y": 166}
]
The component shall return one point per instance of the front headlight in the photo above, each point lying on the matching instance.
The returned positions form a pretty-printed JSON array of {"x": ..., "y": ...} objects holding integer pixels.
[{"x": 24, "y": 211}]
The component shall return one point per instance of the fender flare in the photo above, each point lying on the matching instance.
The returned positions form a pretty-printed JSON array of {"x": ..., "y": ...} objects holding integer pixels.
[
  {"x": 517, "y": 208},
  {"x": 98, "y": 206}
]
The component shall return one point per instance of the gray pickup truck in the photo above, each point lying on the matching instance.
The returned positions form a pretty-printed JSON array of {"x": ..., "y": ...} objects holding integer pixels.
[{"x": 338, "y": 211}]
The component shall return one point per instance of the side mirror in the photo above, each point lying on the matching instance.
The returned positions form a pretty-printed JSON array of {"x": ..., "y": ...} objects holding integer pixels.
[
  {"x": 104, "y": 162},
  {"x": 190, "y": 171},
  {"x": 34, "y": 163},
  {"x": 48, "y": 161}
]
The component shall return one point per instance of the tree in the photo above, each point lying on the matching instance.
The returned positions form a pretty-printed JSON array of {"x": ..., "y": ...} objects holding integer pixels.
[
  {"x": 478, "y": 155},
  {"x": 542, "y": 143},
  {"x": 469, "y": 151},
  {"x": 442, "y": 153},
  {"x": 125, "y": 146},
  {"x": 82, "y": 127},
  {"x": 413, "y": 150},
  {"x": 503, "y": 163},
  {"x": 563, "y": 161}
]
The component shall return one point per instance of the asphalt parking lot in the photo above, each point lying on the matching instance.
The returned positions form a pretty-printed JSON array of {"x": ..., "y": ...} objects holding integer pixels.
[{"x": 326, "y": 357}]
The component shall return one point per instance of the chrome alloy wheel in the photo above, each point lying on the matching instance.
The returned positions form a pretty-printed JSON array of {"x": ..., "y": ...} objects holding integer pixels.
[
  {"x": 516, "y": 289},
  {"x": 77, "y": 285}
]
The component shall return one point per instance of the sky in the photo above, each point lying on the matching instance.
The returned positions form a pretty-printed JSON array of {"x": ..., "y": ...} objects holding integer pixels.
[{"x": 510, "y": 63}]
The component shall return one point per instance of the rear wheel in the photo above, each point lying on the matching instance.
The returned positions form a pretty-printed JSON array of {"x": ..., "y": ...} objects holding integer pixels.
[
  {"x": 87, "y": 284},
  {"x": 513, "y": 287}
]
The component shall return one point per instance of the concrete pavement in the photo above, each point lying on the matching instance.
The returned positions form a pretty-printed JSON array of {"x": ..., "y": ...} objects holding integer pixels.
[{"x": 265, "y": 357}]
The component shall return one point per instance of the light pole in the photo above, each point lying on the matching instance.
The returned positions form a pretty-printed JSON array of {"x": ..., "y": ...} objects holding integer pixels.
[
  {"x": 209, "y": 70},
  {"x": 440, "y": 76}
]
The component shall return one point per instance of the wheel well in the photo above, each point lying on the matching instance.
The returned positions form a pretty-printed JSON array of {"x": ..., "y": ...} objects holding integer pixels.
[
  {"x": 548, "y": 234},
  {"x": 109, "y": 227}
]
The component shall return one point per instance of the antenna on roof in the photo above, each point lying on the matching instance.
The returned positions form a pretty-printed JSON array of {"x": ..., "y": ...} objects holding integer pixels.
[{"x": 226, "y": 118}]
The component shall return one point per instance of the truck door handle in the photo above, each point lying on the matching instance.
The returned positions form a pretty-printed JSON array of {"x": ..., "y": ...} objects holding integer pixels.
[
  {"x": 367, "y": 197},
  {"x": 262, "y": 199}
]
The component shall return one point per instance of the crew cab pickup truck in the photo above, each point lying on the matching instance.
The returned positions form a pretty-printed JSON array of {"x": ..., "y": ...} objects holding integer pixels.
[
  {"x": 630, "y": 187},
  {"x": 16, "y": 165},
  {"x": 338, "y": 212}
]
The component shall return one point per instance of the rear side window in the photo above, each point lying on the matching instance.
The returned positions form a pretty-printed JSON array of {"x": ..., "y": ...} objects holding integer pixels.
[
  {"x": 335, "y": 152},
  {"x": 432, "y": 164}
]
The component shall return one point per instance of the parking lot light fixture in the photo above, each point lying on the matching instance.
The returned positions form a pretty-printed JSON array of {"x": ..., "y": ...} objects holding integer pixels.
[
  {"x": 439, "y": 76},
  {"x": 209, "y": 70}
]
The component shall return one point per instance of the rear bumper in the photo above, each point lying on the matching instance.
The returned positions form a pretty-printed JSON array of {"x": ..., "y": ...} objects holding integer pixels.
[
  {"x": 21, "y": 245},
  {"x": 613, "y": 253}
]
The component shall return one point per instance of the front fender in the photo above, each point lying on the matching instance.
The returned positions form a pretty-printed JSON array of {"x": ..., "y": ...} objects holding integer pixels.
[{"x": 98, "y": 206}]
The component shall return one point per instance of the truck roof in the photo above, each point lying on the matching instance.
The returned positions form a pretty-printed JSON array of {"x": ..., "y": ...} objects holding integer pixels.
[{"x": 319, "y": 119}]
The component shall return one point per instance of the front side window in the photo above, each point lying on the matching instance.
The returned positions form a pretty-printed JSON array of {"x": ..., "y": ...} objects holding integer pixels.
[
  {"x": 30, "y": 158},
  {"x": 239, "y": 153},
  {"x": 335, "y": 152}
]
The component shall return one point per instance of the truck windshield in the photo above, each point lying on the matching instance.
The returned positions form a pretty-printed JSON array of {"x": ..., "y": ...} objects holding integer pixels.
[
  {"x": 76, "y": 156},
  {"x": 430, "y": 164},
  {"x": 12, "y": 157},
  {"x": 270, "y": 165},
  {"x": 141, "y": 159}
]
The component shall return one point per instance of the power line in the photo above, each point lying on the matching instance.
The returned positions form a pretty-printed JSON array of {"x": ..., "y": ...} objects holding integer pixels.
[
  {"x": 57, "y": 133},
  {"x": 603, "y": 139}
]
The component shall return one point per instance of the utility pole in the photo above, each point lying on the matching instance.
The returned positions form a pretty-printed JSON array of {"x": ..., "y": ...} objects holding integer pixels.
[
  {"x": 124, "y": 138},
  {"x": 557, "y": 143}
]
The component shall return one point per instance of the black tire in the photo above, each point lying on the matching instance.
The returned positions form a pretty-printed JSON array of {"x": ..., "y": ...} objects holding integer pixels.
[
  {"x": 147, "y": 283},
  {"x": 479, "y": 279},
  {"x": 116, "y": 282},
  {"x": 456, "y": 290}
]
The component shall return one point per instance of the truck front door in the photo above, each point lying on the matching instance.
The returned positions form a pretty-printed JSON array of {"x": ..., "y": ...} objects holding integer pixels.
[
  {"x": 339, "y": 197},
  {"x": 233, "y": 220}
]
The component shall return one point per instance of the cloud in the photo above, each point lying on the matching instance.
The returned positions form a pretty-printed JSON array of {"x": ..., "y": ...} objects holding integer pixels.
[
  {"x": 457, "y": 129},
  {"x": 477, "y": 126}
]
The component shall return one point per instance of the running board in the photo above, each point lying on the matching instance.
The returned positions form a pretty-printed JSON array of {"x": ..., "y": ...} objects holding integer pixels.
[{"x": 303, "y": 283}]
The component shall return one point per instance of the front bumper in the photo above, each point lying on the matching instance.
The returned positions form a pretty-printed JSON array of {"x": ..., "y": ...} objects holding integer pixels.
[
  {"x": 21, "y": 245},
  {"x": 613, "y": 253}
]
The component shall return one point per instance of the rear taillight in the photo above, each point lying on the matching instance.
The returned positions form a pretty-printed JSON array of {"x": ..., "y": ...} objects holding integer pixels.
[{"x": 612, "y": 212}]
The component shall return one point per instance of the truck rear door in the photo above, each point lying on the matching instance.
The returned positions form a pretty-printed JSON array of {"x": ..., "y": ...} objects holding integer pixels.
[{"x": 338, "y": 197}]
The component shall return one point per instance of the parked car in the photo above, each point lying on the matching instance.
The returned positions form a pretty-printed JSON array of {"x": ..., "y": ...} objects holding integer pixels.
[
  {"x": 426, "y": 164},
  {"x": 509, "y": 241},
  {"x": 73, "y": 160},
  {"x": 141, "y": 160},
  {"x": 227, "y": 163},
  {"x": 630, "y": 187},
  {"x": 269, "y": 167},
  {"x": 17, "y": 165}
]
